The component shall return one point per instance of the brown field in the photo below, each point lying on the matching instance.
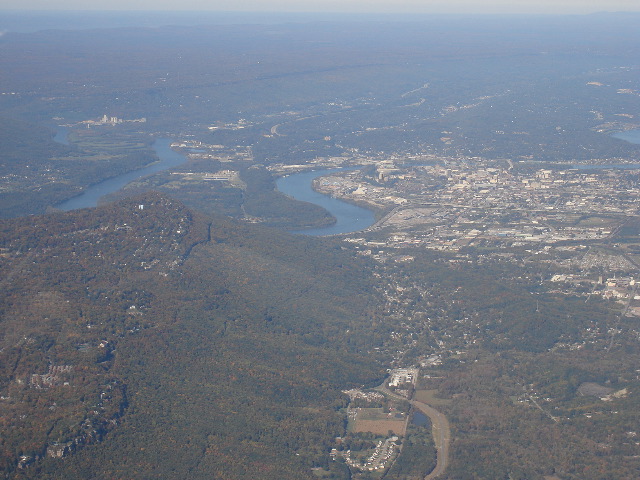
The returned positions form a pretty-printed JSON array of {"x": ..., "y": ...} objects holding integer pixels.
[
  {"x": 429, "y": 397},
  {"x": 374, "y": 420},
  {"x": 380, "y": 427},
  {"x": 596, "y": 222}
]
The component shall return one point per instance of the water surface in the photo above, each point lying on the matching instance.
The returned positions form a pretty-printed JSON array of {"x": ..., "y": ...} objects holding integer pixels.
[
  {"x": 419, "y": 419},
  {"x": 62, "y": 136},
  {"x": 349, "y": 217},
  {"x": 631, "y": 136},
  {"x": 90, "y": 197}
]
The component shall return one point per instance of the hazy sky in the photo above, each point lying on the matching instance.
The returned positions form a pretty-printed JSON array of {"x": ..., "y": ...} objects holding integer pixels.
[{"x": 362, "y": 6}]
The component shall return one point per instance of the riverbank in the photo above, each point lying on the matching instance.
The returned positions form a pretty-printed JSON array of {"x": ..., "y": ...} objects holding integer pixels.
[
  {"x": 91, "y": 196},
  {"x": 349, "y": 217}
]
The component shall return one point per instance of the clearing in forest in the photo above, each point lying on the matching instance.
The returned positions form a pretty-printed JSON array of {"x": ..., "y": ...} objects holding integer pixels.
[{"x": 375, "y": 420}]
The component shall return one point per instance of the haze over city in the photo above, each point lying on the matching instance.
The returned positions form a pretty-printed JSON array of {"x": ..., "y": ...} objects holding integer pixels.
[
  {"x": 320, "y": 240},
  {"x": 357, "y": 6}
]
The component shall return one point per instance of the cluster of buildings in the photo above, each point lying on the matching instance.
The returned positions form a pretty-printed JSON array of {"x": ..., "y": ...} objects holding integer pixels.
[
  {"x": 219, "y": 176},
  {"x": 370, "y": 396},
  {"x": 379, "y": 459},
  {"x": 475, "y": 202},
  {"x": 239, "y": 125},
  {"x": 402, "y": 376},
  {"x": 54, "y": 377},
  {"x": 111, "y": 120},
  {"x": 622, "y": 289},
  {"x": 197, "y": 150}
]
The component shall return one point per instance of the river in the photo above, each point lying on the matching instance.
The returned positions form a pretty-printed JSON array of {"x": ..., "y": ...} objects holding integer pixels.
[
  {"x": 349, "y": 217},
  {"x": 62, "y": 136},
  {"x": 631, "y": 136},
  {"x": 420, "y": 419},
  {"x": 90, "y": 197}
]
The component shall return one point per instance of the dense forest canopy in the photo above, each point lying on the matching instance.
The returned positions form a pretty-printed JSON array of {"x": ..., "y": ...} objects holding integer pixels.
[{"x": 152, "y": 320}]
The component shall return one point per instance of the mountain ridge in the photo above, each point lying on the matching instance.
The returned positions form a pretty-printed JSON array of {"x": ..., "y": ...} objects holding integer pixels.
[{"x": 144, "y": 320}]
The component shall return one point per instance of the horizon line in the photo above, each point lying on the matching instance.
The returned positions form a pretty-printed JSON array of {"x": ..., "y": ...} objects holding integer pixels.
[{"x": 318, "y": 12}]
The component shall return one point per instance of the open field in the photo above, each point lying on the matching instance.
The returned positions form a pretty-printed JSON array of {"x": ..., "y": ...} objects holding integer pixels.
[
  {"x": 597, "y": 221},
  {"x": 381, "y": 427},
  {"x": 429, "y": 397},
  {"x": 374, "y": 420}
]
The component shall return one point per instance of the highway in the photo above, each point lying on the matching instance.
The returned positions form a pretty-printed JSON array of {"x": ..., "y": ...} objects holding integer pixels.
[
  {"x": 441, "y": 437},
  {"x": 439, "y": 428}
]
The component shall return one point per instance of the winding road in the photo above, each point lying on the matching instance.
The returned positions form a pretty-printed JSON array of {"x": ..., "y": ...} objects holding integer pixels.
[
  {"x": 439, "y": 428},
  {"x": 441, "y": 437}
]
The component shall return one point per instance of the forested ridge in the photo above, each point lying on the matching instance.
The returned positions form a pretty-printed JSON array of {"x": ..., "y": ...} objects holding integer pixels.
[{"x": 142, "y": 340}]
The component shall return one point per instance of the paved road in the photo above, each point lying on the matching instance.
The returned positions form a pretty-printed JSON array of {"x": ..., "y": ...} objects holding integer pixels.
[
  {"x": 274, "y": 131},
  {"x": 440, "y": 429},
  {"x": 441, "y": 436}
]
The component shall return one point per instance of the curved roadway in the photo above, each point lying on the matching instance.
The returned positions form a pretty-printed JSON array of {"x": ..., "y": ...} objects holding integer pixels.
[
  {"x": 439, "y": 428},
  {"x": 441, "y": 437}
]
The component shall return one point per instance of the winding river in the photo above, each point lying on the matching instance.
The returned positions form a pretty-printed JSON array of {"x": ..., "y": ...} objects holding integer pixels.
[
  {"x": 90, "y": 197},
  {"x": 349, "y": 217}
]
